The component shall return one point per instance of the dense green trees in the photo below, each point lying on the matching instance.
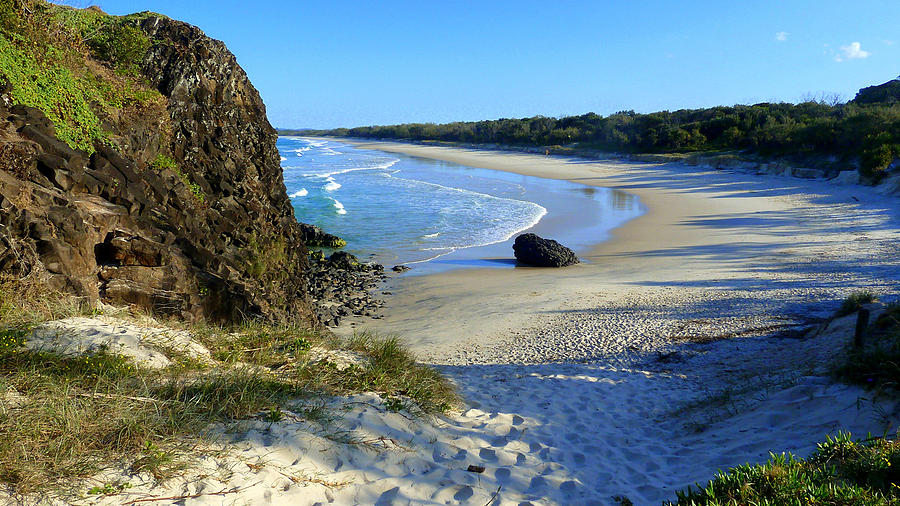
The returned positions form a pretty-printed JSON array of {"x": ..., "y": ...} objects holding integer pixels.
[{"x": 864, "y": 133}]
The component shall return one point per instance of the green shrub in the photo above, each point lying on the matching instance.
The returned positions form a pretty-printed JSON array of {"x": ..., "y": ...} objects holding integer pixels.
[
  {"x": 875, "y": 160},
  {"x": 840, "y": 472},
  {"x": 120, "y": 44},
  {"x": 164, "y": 162},
  {"x": 854, "y": 301}
]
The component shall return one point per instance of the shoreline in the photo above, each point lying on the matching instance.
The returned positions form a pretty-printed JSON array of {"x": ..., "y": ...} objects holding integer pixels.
[
  {"x": 702, "y": 229},
  {"x": 683, "y": 347}
]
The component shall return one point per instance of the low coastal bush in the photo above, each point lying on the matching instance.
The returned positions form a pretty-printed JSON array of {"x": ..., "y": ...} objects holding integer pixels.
[
  {"x": 823, "y": 132},
  {"x": 65, "y": 418},
  {"x": 854, "y": 301},
  {"x": 840, "y": 472}
]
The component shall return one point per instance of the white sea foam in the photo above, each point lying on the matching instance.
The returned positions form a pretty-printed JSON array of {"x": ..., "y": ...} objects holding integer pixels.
[
  {"x": 332, "y": 185},
  {"x": 299, "y": 193},
  {"x": 313, "y": 142},
  {"x": 339, "y": 207},
  {"x": 528, "y": 218},
  {"x": 329, "y": 152},
  {"x": 429, "y": 236},
  {"x": 283, "y": 159},
  {"x": 380, "y": 166}
]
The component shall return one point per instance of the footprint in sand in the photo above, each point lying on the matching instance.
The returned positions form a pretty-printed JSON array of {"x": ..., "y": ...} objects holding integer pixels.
[
  {"x": 502, "y": 475},
  {"x": 388, "y": 497},
  {"x": 487, "y": 454},
  {"x": 568, "y": 487},
  {"x": 500, "y": 441},
  {"x": 464, "y": 493},
  {"x": 537, "y": 486}
]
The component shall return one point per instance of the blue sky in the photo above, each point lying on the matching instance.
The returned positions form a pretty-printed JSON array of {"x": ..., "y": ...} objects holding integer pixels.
[{"x": 324, "y": 64}]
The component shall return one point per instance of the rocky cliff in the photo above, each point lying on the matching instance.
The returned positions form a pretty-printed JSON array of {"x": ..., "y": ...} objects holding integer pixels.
[{"x": 179, "y": 207}]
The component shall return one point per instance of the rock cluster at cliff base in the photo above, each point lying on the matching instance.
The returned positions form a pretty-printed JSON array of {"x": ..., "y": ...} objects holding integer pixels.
[
  {"x": 539, "y": 252},
  {"x": 340, "y": 285}
]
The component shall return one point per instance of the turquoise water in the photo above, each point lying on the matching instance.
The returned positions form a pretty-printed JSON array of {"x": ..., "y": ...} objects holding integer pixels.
[{"x": 398, "y": 209}]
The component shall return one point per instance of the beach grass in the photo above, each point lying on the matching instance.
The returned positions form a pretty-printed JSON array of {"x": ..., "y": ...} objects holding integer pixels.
[
  {"x": 65, "y": 418},
  {"x": 855, "y": 301},
  {"x": 842, "y": 471},
  {"x": 877, "y": 364}
]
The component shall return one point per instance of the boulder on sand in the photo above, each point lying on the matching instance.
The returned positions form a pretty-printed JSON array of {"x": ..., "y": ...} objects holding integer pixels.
[{"x": 536, "y": 251}]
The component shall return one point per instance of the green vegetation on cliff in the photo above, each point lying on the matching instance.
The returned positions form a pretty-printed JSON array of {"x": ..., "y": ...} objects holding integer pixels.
[
  {"x": 867, "y": 134},
  {"x": 77, "y": 66}
]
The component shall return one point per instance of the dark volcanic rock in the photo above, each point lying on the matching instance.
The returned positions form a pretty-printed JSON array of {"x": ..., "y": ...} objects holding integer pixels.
[
  {"x": 314, "y": 236},
  {"x": 341, "y": 286},
  {"x": 110, "y": 226},
  {"x": 536, "y": 251}
]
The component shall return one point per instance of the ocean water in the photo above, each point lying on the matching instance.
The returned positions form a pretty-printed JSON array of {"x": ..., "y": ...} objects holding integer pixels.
[{"x": 398, "y": 209}]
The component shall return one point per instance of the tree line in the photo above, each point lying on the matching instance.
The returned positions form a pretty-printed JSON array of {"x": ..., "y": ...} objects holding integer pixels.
[{"x": 866, "y": 134}]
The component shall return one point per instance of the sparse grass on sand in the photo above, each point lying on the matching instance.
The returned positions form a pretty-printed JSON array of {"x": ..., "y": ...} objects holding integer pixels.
[
  {"x": 64, "y": 418},
  {"x": 841, "y": 472}
]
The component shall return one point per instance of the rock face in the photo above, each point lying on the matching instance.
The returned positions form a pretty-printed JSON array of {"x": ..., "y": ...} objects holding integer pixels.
[
  {"x": 213, "y": 236},
  {"x": 536, "y": 251}
]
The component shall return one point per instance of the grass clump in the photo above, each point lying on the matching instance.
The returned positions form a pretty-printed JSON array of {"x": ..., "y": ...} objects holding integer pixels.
[
  {"x": 393, "y": 371},
  {"x": 71, "y": 417},
  {"x": 840, "y": 472},
  {"x": 854, "y": 301}
]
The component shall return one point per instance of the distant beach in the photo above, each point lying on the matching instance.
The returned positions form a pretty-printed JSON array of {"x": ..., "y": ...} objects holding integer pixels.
[
  {"x": 618, "y": 361},
  {"x": 438, "y": 215}
]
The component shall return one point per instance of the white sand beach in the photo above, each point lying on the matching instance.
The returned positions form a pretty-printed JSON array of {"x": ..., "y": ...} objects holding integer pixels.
[{"x": 649, "y": 367}]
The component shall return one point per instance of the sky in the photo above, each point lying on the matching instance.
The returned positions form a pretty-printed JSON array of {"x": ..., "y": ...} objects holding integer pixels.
[{"x": 328, "y": 64}]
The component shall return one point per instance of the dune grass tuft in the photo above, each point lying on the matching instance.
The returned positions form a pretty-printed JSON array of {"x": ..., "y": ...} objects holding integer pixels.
[
  {"x": 67, "y": 418},
  {"x": 854, "y": 301}
]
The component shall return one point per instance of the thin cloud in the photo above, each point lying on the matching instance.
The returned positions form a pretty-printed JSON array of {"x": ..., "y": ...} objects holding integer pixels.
[
  {"x": 852, "y": 52},
  {"x": 888, "y": 42},
  {"x": 781, "y": 36}
]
